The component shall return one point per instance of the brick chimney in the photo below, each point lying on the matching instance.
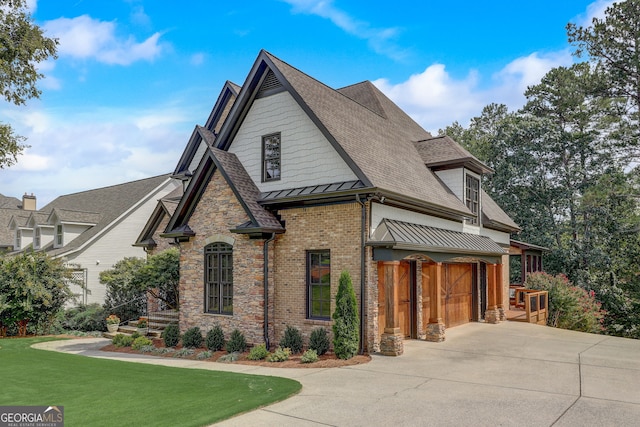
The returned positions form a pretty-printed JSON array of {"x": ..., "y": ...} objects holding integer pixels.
[{"x": 28, "y": 202}]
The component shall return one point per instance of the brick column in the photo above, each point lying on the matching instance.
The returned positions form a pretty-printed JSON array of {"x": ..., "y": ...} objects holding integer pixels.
[
  {"x": 492, "y": 315},
  {"x": 435, "y": 329},
  {"x": 391, "y": 341}
]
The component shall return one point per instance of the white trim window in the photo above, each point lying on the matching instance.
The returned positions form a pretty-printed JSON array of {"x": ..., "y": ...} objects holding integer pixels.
[
  {"x": 59, "y": 236},
  {"x": 37, "y": 238},
  {"x": 472, "y": 197},
  {"x": 18, "y": 239}
]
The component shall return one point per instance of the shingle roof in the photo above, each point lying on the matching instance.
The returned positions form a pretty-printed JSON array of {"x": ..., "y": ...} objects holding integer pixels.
[
  {"x": 380, "y": 146},
  {"x": 442, "y": 151},
  {"x": 7, "y": 202},
  {"x": 66, "y": 215},
  {"x": 7, "y": 237},
  {"x": 400, "y": 234},
  {"x": 110, "y": 202},
  {"x": 494, "y": 217},
  {"x": 245, "y": 190}
]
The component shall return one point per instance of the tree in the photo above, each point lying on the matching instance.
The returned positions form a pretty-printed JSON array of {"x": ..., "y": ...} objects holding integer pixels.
[
  {"x": 346, "y": 325},
  {"x": 33, "y": 289},
  {"x": 160, "y": 276},
  {"x": 22, "y": 46},
  {"x": 123, "y": 297},
  {"x": 613, "y": 44}
]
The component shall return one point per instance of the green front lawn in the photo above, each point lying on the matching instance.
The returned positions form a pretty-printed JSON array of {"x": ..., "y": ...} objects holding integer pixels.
[{"x": 99, "y": 392}]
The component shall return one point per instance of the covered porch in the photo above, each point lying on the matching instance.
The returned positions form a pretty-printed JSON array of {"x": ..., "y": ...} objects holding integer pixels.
[{"x": 431, "y": 279}]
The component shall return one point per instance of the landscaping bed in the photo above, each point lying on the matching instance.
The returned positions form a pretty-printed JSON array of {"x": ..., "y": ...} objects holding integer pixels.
[{"x": 328, "y": 360}]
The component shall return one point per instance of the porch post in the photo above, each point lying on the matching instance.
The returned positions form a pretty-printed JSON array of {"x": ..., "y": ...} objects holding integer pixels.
[
  {"x": 391, "y": 341},
  {"x": 500, "y": 292},
  {"x": 492, "y": 315},
  {"x": 435, "y": 329}
]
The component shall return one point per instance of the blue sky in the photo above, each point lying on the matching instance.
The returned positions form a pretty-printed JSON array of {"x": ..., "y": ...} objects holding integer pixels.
[{"x": 134, "y": 77}]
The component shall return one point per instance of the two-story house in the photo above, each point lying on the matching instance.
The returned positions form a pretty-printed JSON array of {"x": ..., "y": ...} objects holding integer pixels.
[
  {"x": 302, "y": 181},
  {"x": 91, "y": 230}
]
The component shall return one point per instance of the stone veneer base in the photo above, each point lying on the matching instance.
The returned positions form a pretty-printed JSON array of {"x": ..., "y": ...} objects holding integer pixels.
[{"x": 435, "y": 332}]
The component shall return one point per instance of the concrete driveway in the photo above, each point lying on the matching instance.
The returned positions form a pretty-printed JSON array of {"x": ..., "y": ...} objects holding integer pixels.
[{"x": 510, "y": 374}]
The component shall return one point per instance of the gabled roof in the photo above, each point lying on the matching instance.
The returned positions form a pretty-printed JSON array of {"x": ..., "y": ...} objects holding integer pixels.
[
  {"x": 7, "y": 237},
  {"x": 19, "y": 219},
  {"x": 442, "y": 152},
  {"x": 75, "y": 217},
  {"x": 218, "y": 114},
  {"x": 374, "y": 137},
  {"x": 165, "y": 208},
  {"x": 110, "y": 203},
  {"x": 494, "y": 217},
  {"x": 38, "y": 219},
  {"x": 245, "y": 190}
]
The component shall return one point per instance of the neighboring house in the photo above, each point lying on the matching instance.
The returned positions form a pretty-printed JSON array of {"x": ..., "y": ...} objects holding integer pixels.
[
  {"x": 301, "y": 182},
  {"x": 92, "y": 230},
  {"x": 11, "y": 207}
]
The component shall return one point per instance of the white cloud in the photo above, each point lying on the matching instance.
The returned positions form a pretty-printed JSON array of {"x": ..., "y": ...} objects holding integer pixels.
[
  {"x": 84, "y": 38},
  {"x": 381, "y": 40},
  {"x": 435, "y": 99},
  {"x": 594, "y": 10},
  {"x": 75, "y": 151}
]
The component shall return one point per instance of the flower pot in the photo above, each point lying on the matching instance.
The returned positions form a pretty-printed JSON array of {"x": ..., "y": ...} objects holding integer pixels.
[{"x": 112, "y": 327}]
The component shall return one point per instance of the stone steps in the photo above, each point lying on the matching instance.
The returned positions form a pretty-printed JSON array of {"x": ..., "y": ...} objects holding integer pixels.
[{"x": 157, "y": 321}]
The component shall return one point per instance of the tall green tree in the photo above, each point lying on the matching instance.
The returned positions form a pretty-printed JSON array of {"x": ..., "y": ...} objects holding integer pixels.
[
  {"x": 612, "y": 44},
  {"x": 160, "y": 276},
  {"x": 123, "y": 297},
  {"x": 22, "y": 46},
  {"x": 346, "y": 326}
]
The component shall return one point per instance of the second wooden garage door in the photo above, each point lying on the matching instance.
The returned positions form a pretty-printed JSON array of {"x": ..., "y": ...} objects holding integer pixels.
[{"x": 457, "y": 292}]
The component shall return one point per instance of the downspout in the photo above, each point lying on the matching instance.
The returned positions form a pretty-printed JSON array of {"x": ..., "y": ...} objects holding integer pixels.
[
  {"x": 266, "y": 288},
  {"x": 362, "y": 272}
]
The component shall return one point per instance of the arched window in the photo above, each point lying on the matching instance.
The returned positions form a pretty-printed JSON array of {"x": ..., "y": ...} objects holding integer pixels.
[{"x": 218, "y": 278}]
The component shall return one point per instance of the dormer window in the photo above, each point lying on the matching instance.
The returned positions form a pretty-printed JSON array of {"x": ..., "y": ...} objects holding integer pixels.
[
  {"x": 472, "y": 196},
  {"x": 271, "y": 157},
  {"x": 59, "y": 236},
  {"x": 37, "y": 239},
  {"x": 18, "y": 239}
]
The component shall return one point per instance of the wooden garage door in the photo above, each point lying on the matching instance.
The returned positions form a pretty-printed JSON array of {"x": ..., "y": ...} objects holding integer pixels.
[
  {"x": 457, "y": 294},
  {"x": 403, "y": 301}
]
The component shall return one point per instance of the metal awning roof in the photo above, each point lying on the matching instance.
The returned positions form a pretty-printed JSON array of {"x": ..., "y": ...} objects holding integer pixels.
[{"x": 406, "y": 236}]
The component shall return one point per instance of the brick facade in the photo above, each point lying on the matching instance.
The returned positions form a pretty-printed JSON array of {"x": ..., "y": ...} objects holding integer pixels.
[
  {"x": 335, "y": 228},
  {"x": 217, "y": 212}
]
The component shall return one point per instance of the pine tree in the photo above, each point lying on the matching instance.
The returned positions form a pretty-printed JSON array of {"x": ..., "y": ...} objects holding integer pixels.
[{"x": 346, "y": 323}]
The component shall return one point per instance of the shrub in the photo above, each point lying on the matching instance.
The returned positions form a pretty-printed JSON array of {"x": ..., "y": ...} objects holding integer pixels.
[
  {"x": 135, "y": 335},
  {"x": 85, "y": 318},
  {"x": 171, "y": 335},
  {"x": 231, "y": 357},
  {"x": 309, "y": 356},
  {"x": 192, "y": 338},
  {"x": 184, "y": 352},
  {"x": 570, "y": 307},
  {"x": 292, "y": 340},
  {"x": 319, "y": 341},
  {"x": 215, "y": 339},
  {"x": 236, "y": 342},
  {"x": 258, "y": 352},
  {"x": 204, "y": 355},
  {"x": 148, "y": 349},
  {"x": 345, "y": 319},
  {"x": 122, "y": 340},
  {"x": 140, "y": 342},
  {"x": 280, "y": 355}
]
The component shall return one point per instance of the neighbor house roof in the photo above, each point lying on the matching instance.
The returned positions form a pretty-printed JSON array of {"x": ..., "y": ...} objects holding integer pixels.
[
  {"x": 103, "y": 205},
  {"x": 7, "y": 202}
]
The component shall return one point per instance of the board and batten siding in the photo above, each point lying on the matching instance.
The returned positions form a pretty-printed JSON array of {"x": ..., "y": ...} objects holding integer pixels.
[{"x": 307, "y": 157}]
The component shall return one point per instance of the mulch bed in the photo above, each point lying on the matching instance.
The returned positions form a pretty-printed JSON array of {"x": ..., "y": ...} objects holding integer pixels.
[{"x": 328, "y": 360}]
